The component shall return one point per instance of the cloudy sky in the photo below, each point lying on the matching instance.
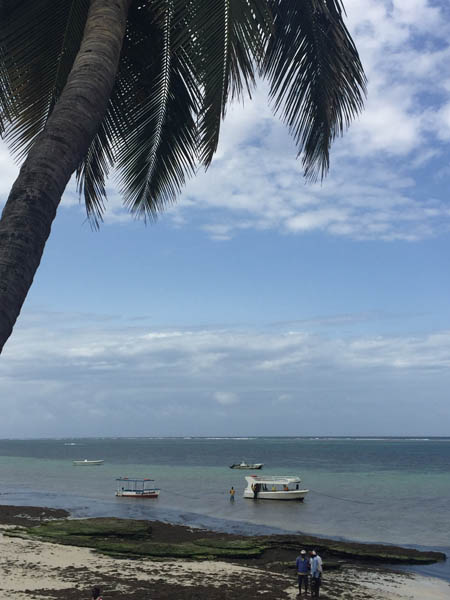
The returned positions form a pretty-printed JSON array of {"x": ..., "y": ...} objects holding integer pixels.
[{"x": 260, "y": 304}]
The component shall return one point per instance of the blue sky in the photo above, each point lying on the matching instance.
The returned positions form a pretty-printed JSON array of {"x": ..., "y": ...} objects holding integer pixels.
[{"x": 260, "y": 304}]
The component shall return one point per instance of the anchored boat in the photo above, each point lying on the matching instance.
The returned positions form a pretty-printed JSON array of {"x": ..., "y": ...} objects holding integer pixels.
[
  {"x": 284, "y": 487},
  {"x": 136, "y": 488},
  {"x": 244, "y": 465},
  {"x": 87, "y": 463}
]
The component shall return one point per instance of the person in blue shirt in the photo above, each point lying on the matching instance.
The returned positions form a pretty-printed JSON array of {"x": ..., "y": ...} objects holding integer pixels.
[
  {"x": 316, "y": 573},
  {"x": 302, "y": 563}
]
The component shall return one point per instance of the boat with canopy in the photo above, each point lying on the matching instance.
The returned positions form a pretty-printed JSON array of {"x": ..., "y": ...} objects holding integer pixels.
[
  {"x": 136, "y": 488},
  {"x": 274, "y": 487}
]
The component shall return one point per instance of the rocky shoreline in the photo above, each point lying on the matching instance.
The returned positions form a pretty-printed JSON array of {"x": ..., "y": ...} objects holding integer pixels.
[
  {"x": 159, "y": 560},
  {"x": 40, "y": 521}
]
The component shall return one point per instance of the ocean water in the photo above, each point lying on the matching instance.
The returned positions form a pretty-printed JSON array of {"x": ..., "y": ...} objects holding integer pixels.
[{"x": 387, "y": 490}]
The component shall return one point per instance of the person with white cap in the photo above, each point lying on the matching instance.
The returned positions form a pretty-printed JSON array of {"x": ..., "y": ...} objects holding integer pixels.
[
  {"x": 316, "y": 573},
  {"x": 302, "y": 563}
]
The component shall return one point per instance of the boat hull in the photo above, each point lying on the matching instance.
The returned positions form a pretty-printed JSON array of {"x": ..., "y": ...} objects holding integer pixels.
[
  {"x": 133, "y": 494},
  {"x": 87, "y": 463},
  {"x": 247, "y": 467},
  {"x": 277, "y": 495}
]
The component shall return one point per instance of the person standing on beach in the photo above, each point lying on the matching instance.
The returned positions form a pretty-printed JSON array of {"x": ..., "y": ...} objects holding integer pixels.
[
  {"x": 316, "y": 573},
  {"x": 303, "y": 566},
  {"x": 232, "y": 492}
]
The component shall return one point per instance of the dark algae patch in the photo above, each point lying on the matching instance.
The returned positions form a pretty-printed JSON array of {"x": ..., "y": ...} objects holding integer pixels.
[
  {"x": 132, "y": 538},
  {"x": 128, "y": 538},
  {"x": 358, "y": 551},
  {"x": 28, "y": 515}
]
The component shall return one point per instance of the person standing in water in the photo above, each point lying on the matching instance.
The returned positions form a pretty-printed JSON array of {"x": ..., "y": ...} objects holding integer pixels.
[{"x": 232, "y": 492}]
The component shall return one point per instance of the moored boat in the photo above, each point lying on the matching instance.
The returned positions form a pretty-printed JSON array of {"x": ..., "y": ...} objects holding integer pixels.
[
  {"x": 244, "y": 465},
  {"x": 87, "y": 463},
  {"x": 136, "y": 488},
  {"x": 283, "y": 487}
]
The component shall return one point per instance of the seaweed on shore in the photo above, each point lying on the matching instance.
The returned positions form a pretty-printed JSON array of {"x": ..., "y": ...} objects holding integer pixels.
[
  {"x": 357, "y": 550},
  {"x": 130, "y": 538},
  {"x": 133, "y": 538}
]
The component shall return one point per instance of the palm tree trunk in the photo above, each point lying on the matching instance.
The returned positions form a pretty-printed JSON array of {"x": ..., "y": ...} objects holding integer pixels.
[{"x": 31, "y": 207}]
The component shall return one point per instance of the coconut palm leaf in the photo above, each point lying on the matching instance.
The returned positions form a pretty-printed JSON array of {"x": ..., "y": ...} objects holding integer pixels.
[
  {"x": 182, "y": 61},
  {"x": 94, "y": 169},
  {"x": 5, "y": 95},
  {"x": 231, "y": 35},
  {"x": 317, "y": 80},
  {"x": 150, "y": 118},
  {"x": 40, "y": 39},
  {"x": 116, "y": 125},
  {"x": 158, "y": 147}
]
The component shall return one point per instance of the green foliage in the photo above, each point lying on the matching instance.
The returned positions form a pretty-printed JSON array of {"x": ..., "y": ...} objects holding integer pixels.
[{"x": 182, "y": 62}]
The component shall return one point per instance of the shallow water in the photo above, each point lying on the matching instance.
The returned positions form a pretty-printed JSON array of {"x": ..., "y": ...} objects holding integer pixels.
[{"x": 381, "y": 490}]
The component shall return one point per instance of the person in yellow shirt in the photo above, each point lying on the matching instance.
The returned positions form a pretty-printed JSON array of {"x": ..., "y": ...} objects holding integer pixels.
[{"x": 232, "y": 492}]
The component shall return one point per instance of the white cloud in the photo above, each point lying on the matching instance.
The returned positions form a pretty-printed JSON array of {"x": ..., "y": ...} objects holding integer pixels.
[
  {"x": 319, "y": 219},
  {"x": 225, "y": 398},
  {"x": 167, "y": 378},
  {"x": 283, "y": 399},
  {"x": 212, "y": 353}
]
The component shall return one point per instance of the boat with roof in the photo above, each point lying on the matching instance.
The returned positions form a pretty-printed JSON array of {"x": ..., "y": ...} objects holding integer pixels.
[
  {"x": 136, "y": 488},
  {"x": 274, "y": 487}
]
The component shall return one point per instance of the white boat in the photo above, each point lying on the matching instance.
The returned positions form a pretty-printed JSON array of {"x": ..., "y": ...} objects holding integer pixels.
[
  {"x": 136, "y": 488},
  {"x": 87, "y": 463},
  {"x": 283, "y": 487},
  {"x": 244, "y": 465}
]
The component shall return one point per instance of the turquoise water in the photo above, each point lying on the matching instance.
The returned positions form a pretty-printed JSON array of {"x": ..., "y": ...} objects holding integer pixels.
[{"x": 380, "y": 490}]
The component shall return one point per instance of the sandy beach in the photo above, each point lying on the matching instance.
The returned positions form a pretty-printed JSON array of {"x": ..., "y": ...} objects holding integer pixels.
[{"x": 42, "y": 570}]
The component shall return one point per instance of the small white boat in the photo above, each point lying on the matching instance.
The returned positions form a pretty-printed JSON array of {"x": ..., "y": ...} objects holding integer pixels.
[
  {"x": 283, "y": 487},
  {"x": 244, "y": 465},
  {"x": 136, "y": 488},
  {"x": 87, "y": 463}
]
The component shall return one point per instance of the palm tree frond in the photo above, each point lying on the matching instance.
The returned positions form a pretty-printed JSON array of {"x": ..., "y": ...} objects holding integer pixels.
[
  {"x": 231, "y": 35},
  {"x": 5, "y": 96},
  {"x": 39, "y": 39},
  {"x": 158, "y": 145},
  {"x": 316, "y": 78},
  {"x": 182, "y": 61},
  {"x": 93, "y": 171}
]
